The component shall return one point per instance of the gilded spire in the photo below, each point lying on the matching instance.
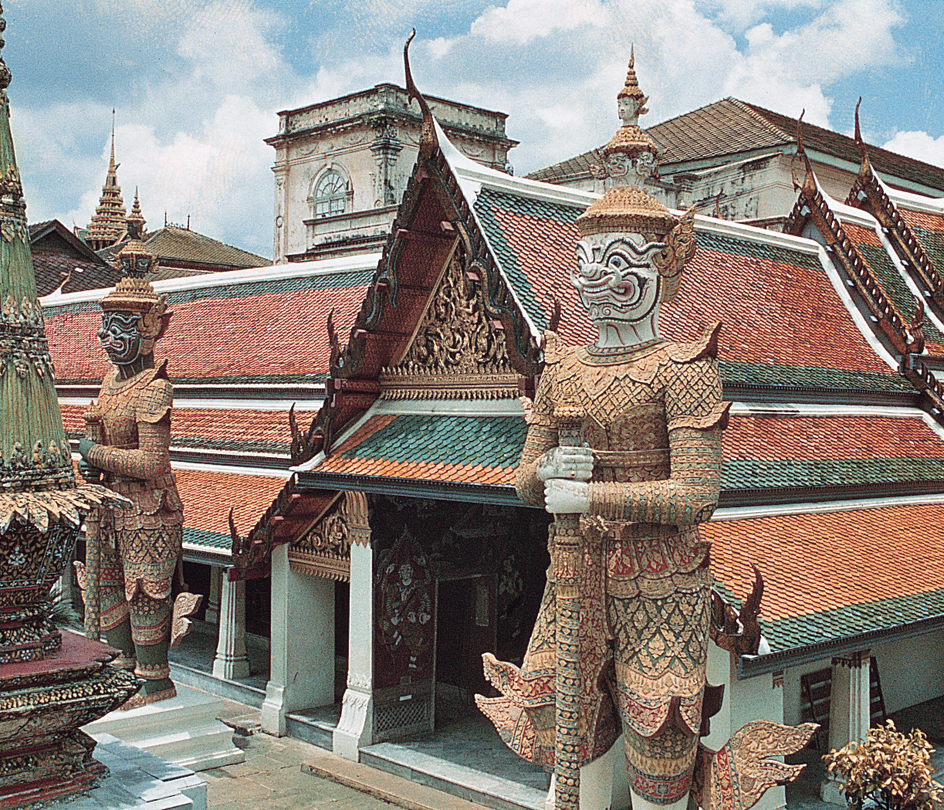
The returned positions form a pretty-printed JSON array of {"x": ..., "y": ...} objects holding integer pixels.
[
  {"x": 137, "y": 218},
  {"x": 34, "y": 451},
  {"x": 630, "y": 158},
  {"x": 108, "y": 225},
  {"x": 632, "y": 91},
  {"x": 631, "y": 155}
]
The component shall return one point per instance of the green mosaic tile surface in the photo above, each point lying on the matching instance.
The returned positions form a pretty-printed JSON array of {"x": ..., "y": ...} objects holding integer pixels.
[
  {"x": 199, "y": 537},
  {"x": 889, "y": 277},
  {"x": 487, "y": 203},
  {"x": 933, "y": 244},
  {"x": 765, "y": 374},
  {"x": 785, "y": 634},
  {"x": 758, "y": 250},
  {"x": 751, "y": 474},
  {"x": 469, "y": 440},
  {"x": 330, "y": 281}
]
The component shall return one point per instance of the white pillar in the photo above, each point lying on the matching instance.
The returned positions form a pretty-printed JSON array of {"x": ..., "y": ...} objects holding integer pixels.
[
  {"x": 604, "y": 783},
  {"x": 231, "y": 661},
  {"x": 301, "y": 674},
  {"x": 355, "y": 728},
  {"x": 212, "y": 615},
  {"x": 849, "y": 710}
]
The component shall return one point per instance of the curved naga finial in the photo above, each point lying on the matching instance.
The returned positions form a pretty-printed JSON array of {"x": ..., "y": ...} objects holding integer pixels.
[
  {"x": 429, "y": 143},
  {"x": 808, "y": 187},
  {"x": 864, "y": 168},
  {"x": 738, "y": 632}
]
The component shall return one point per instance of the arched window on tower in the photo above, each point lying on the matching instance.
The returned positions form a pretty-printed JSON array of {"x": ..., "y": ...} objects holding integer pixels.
[{"x": 331, "y": 194}]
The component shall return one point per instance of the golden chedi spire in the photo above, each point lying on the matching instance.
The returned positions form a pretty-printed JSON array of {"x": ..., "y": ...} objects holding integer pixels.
[{"x": 108, "y": 224}]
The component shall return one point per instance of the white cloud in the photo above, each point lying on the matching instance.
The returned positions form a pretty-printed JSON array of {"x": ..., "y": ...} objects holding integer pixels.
[
  {"x": 918, "y": 145},
  {"x": 523, "y": 21}
]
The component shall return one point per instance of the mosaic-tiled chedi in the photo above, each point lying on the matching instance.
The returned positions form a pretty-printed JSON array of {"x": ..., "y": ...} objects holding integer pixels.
[
  {"x": 624, "y": 448},
  {"x": 133, "y": 554},
  {"x": 50, "y": 683}
]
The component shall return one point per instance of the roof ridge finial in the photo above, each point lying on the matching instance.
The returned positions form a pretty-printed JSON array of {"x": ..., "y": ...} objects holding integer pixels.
[
  {"x": 864, "y": 167},
  {"x": 808, "y": 187},
  {"x": 429, "y": 142}
]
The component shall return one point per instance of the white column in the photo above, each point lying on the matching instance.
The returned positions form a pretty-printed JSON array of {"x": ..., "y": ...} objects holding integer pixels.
[
  {"x": 301, "y": 674},
  {"x": 849, "y": 705},
  {"x": 231, "y": 661},
  {"x": 212, "y": 615},
  {"x": 355, "y": 728},
  {"x": 604, "y": 783}
]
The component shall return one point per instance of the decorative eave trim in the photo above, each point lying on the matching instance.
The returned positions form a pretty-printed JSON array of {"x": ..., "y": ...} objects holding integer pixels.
[
  {"x": 813, "y": 206},
  {"x": 410, "y": 488},
  {"x": 869, "y": 193}
]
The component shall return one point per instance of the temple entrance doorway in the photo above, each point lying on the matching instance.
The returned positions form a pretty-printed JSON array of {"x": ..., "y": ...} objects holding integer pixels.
[{"x": 466, "y": 628}]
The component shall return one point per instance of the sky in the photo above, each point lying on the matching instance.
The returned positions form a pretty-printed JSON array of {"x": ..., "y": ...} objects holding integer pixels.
[{"x": 196, "y": 85}]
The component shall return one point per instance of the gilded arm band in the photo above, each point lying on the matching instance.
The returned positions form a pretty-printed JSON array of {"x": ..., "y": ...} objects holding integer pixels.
[{"x": 687, "y": 497}]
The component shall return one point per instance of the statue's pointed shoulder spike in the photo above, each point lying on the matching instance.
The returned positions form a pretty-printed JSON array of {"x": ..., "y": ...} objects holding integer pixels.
[{"x": 429, "y": 142}]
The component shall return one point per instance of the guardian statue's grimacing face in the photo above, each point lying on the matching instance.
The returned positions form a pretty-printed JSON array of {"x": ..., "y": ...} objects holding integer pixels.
[{"x": 615, "y": 277}]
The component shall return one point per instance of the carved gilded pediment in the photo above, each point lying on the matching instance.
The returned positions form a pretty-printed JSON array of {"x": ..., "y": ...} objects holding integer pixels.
[
  {"x": 458, "y": 350},
  {"x": 325, "y": 549}
]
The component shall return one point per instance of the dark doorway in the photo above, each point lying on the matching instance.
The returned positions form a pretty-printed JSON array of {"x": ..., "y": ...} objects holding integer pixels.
[{"x": 465, "y": 622}]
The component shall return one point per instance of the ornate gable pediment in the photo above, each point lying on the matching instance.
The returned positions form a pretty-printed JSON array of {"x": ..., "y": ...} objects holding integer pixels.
[
  {"x": 457, "y": 351},
  {"x": 325, "y": 549}
]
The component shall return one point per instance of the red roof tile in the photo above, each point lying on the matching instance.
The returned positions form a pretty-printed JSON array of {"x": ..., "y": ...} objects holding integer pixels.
[
  {"x": 815, "y": 437},
  {"x": 208, "y": 497},
  {"x": 819, "y": 562},
  {"x": 276, "y": 334}
]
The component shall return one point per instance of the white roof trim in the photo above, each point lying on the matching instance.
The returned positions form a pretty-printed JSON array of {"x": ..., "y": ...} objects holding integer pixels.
[
  {"x": 260, "y": 472},
  {"x": 322, "y": 267},
  {"x": 451, "y": 407},
  {"x": 791, "y": 409},
  {"x": 247, "y": 405},
  {"x": 780, "y": 510}
]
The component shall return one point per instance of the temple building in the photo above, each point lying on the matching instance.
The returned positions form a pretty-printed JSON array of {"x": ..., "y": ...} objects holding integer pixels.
[
  {"x": 379, "y": 542},
  {"x": 735, "y": 160},
  {"x": 341, "y": 166}
]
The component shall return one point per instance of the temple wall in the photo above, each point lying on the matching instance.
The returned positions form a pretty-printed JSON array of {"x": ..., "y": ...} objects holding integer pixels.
[{"x": 912, "y": 671}]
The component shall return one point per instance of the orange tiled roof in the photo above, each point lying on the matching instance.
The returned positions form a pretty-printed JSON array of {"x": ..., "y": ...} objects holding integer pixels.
[
  {"x": 215, "y": 428},
  {"x": 208, "y": 497},
  {"x": 833, "y": 437},
  {"x": 217, "y": 333},
  {"x": 823, "y": 571}
]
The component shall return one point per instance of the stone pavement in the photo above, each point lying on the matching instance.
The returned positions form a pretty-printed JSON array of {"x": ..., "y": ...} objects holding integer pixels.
[{"x": 281, "y": 773}]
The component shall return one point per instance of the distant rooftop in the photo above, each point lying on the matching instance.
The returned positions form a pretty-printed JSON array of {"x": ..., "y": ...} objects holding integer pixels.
[{"x": 731, "y": 126}]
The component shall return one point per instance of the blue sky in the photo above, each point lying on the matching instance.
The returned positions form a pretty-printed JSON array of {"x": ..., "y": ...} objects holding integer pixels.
[{"x": 196, "y": 85}]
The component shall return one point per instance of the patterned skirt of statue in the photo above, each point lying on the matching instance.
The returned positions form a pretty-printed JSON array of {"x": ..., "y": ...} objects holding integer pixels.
[{"x": 643, "y": 640}]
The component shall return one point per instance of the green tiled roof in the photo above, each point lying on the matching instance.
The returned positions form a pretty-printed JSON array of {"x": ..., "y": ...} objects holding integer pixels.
[
  {"x": 933, "y": 244},
  {"x": 751, "y": 474},
  {"x": 758, "y": 250},
  {"x": 810, "y": 377},
  {"x": 467, "y": 440},
  {"x": 246, "y": 289},
  {"x": 895, "y": 286},
  {"x": 198, "y": 537},
  {"x": 800, "y": 631}
]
